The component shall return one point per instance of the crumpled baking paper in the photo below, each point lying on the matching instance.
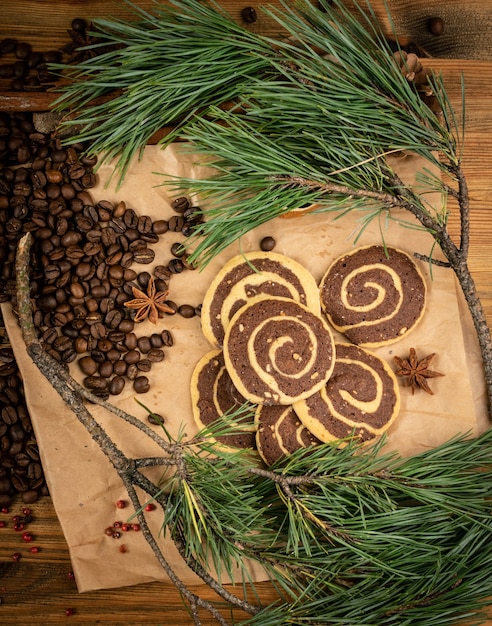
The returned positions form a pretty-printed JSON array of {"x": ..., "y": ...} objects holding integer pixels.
[{"x": 84, "y": 486}]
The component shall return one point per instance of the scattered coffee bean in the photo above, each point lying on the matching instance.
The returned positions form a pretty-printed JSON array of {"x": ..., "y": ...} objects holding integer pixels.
[
  {"x": 436, "y": 26},
  {"x": 267, "y": 244},
  {"x": 141, "y": 384},
  {"x": 248, "y": 15}
]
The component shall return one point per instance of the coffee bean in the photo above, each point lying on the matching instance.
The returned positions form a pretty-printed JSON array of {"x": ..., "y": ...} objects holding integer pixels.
[
  {"x": 144, "y": 344},
  {"x": 186, "y": 311},
  {"x": 144, "y": 365},
  {"x": 436, "y": 26},
  {"x": 131, "y": 357},
  {"x": 176, "y": 223},
  {"x": 159, "y": 227},
  {"x": 267, "y": 244},
  {"x": 88, "y": 365},
  {"x": 155, "y": 355},
  {"x": 95, "y": 383},
  {"x": 180, "y": 204},
  {"x": 132, "y": 372},
  {"x": 30, "y": 496},
  {"x": 156, "y": 419},
  {"x": 175, "y": 266},
  {"x": 141, "y": 384},
  {"x": 120, "y": 367},
  {"x": 9, "y": 415},
  {"x": 116, "y": 385},
  {"x": 156, "y": 340},
  {"x": 105, "y": 369},
  {"x": 167, "y": 338}
]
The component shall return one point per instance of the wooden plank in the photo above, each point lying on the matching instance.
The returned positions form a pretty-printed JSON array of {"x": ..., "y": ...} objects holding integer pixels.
[{"x": 38, "y": 585}]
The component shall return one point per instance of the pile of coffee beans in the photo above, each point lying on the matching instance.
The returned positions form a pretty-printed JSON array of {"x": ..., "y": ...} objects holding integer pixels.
[
  {"x": 21, "y": 471},
  {"x": 24, "y": 69},
  {"x": 83, "y": 258}
]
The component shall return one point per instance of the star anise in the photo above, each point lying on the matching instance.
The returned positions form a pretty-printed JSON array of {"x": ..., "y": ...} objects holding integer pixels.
[
  {"x": 417, "y": 372},
  {"x": 149, "y": 304}
]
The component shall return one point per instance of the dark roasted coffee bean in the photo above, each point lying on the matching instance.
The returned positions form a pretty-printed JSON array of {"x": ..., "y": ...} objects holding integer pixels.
[
  {"x": 155, "y": 355},
  {"x": 30, "y": 496},
  {"x": 95, "y": 383},
  {"x": 156, "y": 419},
  {"x": 88, "y": 365},
  {"x": 116, "y": 385},
  {"x": 105, "y": 369},
  {"x": 167, "y": 338},
  {"x": 144, "y": 344},
  {"x": 159, "y": 227},
  {"x": 98, "y": 330},
  {"x": 104, "y": 345},
  {"x": 113, "y": 318},
  {"x": 144, "y": 365},
  {"x": 186, "y": 311},
  {"x": 131, "y": 341},
  {"x": 80, "y": 345},
  {"x": 267, "y": 244},
  {"x": 141, "y": 384},
  {"x": 180, "y": 204},
  {"x": 156, "y": 340},
  {"x": 175, "y": 266},
  {"x": 126, "y": 325},
  {"x": 144, "y": 224},
  {"x": 9, "y": 415},
  {"x": 132, "y": 371},
  {"x": 176, "y": 223},
  {"x": 248, "y": 15},
  {"x": 130, "y": 218},
  {"x": 116, "y": 336},
  {"x": 131, "y": 357},
  {"x": 16, "y": 433},
  {"x": 120, "y": 367}
]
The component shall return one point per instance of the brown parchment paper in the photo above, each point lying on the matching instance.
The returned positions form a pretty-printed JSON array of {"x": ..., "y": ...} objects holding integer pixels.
[{"x": 83, "y": 485}]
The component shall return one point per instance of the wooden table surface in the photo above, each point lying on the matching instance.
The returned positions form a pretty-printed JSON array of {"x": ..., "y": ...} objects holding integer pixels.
[{"x": 38, "y": 588}]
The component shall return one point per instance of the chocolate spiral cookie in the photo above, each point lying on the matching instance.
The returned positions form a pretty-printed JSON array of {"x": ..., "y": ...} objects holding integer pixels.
[
  {"x": 252, "y": 274},
  {"x": 361, "y": 398},
  {"x": 277, "y": 351},
  {"x": 279, "y": 433},
  {"x": 214, "y": 396},
  {"x": 373, "y": 295}
]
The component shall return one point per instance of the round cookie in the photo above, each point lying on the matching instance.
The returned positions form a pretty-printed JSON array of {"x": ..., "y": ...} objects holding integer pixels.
[
  {"x": 361, "y": 398},
  {"x": 253, "y": 274},
  {"x": 277, "y": 351},
  {"x": 279, "y": 433},
  {"x": 213, "y": 395},
  {"x": 373, "y": 295}
]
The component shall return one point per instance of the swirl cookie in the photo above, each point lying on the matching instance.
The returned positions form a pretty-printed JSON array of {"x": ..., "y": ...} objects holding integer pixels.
[
  {"x": 279, "y": 433},
  {"x": 213, "y": 395},
  {"x": 253, "y": 274},
  {"x": 361, "y": 398},
  {"x": 277, "y": 351},
  {"x": 373, "y": 295}
]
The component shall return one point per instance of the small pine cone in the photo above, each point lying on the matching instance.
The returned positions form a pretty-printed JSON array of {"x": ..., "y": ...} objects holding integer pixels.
[{"x": 414, "y": 72}]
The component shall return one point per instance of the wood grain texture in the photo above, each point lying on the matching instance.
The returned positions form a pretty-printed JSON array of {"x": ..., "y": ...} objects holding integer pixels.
[{"x": 38, "y": 585}]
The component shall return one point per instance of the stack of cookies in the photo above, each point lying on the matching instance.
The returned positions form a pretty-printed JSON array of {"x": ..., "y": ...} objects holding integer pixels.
[{"x": 271, "y": 330}]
